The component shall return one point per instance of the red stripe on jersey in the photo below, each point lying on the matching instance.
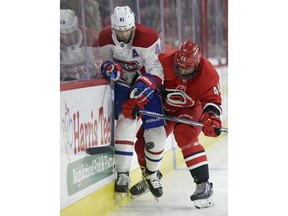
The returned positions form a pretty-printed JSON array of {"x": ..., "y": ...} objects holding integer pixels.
[
  {"x": 196, "y": 160},
  {"x": 124, "y": 142}
]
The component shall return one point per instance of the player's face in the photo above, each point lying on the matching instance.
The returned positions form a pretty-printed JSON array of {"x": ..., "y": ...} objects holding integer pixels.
[
  {"x": 69, "y": 39},
  {"x": 186, "y": 73},
  {"x": 124, "y": 36}
]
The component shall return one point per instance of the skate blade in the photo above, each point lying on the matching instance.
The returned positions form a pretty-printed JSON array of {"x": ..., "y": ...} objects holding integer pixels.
[
  {"x": 203, "y": 203},
  {"x": 120, "y": 196},
  {"x": 135, "y": 196},
  {"x": 156, "y": 198}
]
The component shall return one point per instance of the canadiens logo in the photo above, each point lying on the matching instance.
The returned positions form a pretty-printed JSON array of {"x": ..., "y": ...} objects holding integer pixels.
[{"x": 129, "y": 66}]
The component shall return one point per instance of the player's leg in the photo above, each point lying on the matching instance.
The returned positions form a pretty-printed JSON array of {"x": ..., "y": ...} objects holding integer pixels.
[
  {"x": 195, "y": 157},
  {"x": 141, "y": 187},
  {"x": 124, "y": 140},
  {"x": 155, "y": 137}
]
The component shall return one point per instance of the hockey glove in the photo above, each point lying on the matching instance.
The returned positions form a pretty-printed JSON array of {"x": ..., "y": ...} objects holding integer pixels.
[
  {"x": 111, "y": 71},
  {"x": 131, "y": 107},
  {"x": 143, "y": 89},
  {"x": 211, "y": 124},
  {"x": 141, "y": 94}
]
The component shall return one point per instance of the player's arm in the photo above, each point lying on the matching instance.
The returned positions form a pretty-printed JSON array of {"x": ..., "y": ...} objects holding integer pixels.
[
  {"x": 211, "y": 103},
  {"x": 142, "y": 92},
  {"x": 108, "y": 66},
  {"x": 145, "y": 85},
  {"x": 152, "y": 63}
]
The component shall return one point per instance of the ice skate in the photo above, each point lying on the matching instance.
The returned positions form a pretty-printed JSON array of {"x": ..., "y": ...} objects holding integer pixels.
[
  {"x": 153, "y": 182},
  {"x": 141, "y": 188},
  {"x": 202, "y": 197},
  {"x": 122, "y": 183}
]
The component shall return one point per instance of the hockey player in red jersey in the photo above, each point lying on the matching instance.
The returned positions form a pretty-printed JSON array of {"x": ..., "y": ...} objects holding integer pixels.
[
  {"x": 131, "y": 50},
  {"x": 191, "y": 91}
]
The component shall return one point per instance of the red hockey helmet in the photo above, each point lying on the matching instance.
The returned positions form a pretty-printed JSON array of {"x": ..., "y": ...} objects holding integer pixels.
[{"x": 187, "y": 59}]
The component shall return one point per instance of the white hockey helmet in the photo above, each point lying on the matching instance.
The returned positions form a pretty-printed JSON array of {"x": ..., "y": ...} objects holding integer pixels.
[
  {"x": 68, "y": 21},
  {"x": 70, "y": 34},
  {"x": 122, "y": 19}
]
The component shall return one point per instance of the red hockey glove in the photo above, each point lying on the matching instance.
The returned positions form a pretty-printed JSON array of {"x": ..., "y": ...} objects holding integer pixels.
[
  {"x": 211, "y": 124},
  {"x": 110, "y": 70},
  {"x": 130, "y": 108}
]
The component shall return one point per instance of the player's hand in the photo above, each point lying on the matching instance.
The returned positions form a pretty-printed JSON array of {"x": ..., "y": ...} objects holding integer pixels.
[
  {"x": 111, "y": 71},
  {"x": 143, "y": 89},
  {"x": 211, "y": 124},
  {"x": 130, "y": 108}
]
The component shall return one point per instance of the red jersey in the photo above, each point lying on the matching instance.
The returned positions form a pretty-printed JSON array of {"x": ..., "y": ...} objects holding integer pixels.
[{"x": 202, "y": 89}]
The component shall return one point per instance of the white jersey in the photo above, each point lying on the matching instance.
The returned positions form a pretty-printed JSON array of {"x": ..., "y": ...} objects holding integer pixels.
[
  {"x": 76, "y": 54},
  {"x": 79, "y": 55},
  {"x": 137, "y": 57}
]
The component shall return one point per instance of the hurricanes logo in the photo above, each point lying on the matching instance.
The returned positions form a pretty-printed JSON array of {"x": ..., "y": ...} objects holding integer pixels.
[{"x": 178, "y": 98}]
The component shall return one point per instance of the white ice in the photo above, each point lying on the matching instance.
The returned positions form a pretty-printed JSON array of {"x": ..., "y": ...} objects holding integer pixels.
[{"x": 178, "y": 186}]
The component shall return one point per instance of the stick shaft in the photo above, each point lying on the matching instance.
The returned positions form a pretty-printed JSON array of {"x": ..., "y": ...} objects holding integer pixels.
[
  {"x": 104, "y": 149},
  {"x": 180, "y": 120}
]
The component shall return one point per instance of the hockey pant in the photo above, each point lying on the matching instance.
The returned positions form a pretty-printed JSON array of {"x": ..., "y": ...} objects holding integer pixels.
[
  {"x": 126, "y": 130},
  {"x": 186, "y": 137}
]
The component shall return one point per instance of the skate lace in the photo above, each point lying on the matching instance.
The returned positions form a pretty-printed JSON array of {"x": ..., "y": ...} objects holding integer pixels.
[
  {"x": 140, "y": 185},
  {"x": 155, "y": 182},
  {"x": 123, "y": 179},
  {"x": 199, "y": 188}
]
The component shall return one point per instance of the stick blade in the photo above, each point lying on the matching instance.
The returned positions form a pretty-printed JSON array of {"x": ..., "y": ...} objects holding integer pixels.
[{"x": 99, "y": 150}]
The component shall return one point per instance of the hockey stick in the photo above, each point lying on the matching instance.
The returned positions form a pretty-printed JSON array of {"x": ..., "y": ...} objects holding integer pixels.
[
  {"x": 104, "y": 149},
  {"x": 180, "y": 120}
]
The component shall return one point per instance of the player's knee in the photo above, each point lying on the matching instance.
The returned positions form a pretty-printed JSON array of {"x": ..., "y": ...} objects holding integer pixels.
[
  {"x": 155, "y": 139},
  {"x": 126, "y": 128},
  {"x": 185, "y": 134},
  {"x": 139, "y": 148}
]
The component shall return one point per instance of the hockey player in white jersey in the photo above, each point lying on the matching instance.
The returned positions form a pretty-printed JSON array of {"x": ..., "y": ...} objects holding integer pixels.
[
  {"x": 78, "y": 58},
  {"x": 131, "y": 50}
]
